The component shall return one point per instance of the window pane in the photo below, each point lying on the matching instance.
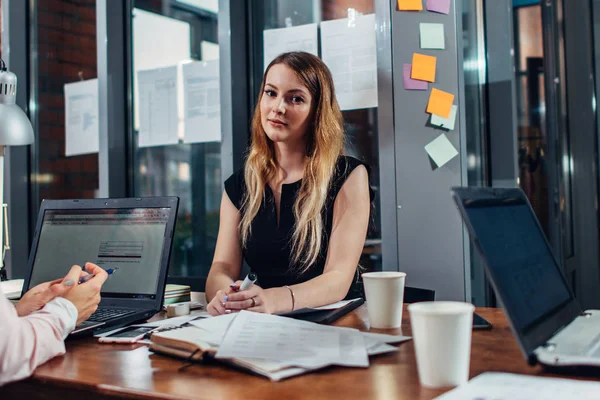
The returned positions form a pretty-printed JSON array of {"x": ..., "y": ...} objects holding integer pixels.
[
  {"x": 361, "y": 124},
  {"x": 166, "y": 36},
  {"x": 65, "y": 40}
]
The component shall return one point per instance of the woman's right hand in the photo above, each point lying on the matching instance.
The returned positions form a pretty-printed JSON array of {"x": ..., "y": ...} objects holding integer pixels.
[
  {"x": 86, "y": 296},
  {"x": 215, "y": 307}
]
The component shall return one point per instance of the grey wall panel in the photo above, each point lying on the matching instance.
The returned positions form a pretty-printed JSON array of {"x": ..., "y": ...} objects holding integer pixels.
[{"x": 430, "y": 231}]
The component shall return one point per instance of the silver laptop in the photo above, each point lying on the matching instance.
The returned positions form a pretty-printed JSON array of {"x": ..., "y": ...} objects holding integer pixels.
[
  {"x": 548, "y": 322},
  {"x": 133, "y": 237}
]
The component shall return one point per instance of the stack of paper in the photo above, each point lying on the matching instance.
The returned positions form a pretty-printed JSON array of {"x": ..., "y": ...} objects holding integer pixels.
[{"x": 279, "y": 347}]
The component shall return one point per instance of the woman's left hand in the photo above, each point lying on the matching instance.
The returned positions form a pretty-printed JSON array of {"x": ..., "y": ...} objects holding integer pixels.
[{"x": 254, "y": 299}]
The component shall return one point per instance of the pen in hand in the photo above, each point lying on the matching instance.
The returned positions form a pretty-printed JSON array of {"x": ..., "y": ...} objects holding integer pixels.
[
  {"x": 89, "y": 276},
  {"x": 248, "y": 282}
]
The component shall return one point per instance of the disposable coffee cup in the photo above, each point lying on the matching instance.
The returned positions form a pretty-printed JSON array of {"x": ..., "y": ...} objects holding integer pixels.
[
  {"x": 441, "y": 333},
  {"x": 385, "y": 294}
]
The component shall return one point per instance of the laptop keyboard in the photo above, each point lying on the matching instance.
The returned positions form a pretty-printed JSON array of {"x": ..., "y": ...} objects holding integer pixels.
[{"x": 104, "y": 314}]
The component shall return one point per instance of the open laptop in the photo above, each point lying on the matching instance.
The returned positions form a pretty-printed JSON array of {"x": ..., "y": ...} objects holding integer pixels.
[
  {"x": 548, "y": 322},
  {"x": 131, "y": 236}
]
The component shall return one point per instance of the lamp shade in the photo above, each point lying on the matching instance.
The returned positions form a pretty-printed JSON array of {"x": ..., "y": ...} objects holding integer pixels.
[{"x": 15, "y": 128}]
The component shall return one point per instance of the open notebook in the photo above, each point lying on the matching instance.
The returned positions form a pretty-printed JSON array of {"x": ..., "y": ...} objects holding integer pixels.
[{"x": 271, "y": 346}]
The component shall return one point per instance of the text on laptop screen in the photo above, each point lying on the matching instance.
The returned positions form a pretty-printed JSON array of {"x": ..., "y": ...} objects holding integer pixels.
[
  {"x": 129, "y": 241},
  {"x": 516, "y": 252}
]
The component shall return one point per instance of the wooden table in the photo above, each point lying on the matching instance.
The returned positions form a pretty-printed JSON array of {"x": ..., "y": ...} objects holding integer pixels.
[{"x": 99, "y": 371}]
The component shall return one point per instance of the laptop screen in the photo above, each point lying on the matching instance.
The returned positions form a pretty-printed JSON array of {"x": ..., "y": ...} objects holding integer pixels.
[
  {"x": 520, "y": 260},
  {"x": 128, "y": 240}
]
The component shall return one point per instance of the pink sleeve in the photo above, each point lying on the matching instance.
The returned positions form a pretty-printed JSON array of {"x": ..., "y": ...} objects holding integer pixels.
[{"x": 30, "y": 341}]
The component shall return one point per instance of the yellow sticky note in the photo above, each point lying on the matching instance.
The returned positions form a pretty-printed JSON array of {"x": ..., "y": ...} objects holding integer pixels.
[
  {"x": 423, "y": 67},
  {"x": 410, "y": 5},
  {"x": 440, "y": 103}
]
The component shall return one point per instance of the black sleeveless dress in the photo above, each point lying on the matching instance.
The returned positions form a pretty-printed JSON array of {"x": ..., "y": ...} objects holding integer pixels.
[{"x": 268, "y": 252}]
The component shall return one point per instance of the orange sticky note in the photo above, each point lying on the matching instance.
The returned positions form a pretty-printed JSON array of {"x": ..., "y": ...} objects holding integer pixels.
[
  {"x": 410, "y": 5},
  {"x": 423, "y": 67},
  {"x": 440, "y": 103}
]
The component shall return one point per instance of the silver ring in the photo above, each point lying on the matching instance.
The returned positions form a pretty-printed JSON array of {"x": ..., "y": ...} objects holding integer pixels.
[{"x": 253, "y": 302}]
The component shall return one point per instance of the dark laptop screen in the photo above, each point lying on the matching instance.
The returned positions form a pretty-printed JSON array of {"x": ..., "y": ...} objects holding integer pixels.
[
  {"x": 520, "y": 260},
  {"x": 129, "y": 241}
]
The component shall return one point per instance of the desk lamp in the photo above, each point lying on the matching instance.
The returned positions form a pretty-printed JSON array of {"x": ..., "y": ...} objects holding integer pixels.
[{"x": 15, "y": 130}]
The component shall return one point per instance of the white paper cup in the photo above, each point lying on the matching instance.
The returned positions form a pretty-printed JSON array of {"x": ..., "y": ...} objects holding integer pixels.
[
  {"x": 442, "y": 336},
  {"x": 385, "y": 294}
]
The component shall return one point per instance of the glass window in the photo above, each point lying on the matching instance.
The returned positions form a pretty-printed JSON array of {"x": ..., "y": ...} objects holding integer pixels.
[
  {"x": 167, "y": 36},
  {"x": 360, "y": 124},
  {"x": 63, "y": 44}
]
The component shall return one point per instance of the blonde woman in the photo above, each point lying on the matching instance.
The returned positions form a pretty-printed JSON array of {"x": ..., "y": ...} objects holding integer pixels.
[{"x": 298, "y": 211}]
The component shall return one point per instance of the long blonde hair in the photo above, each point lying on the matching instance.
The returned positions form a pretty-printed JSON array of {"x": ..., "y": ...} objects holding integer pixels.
[{"x": 325, "y": 143}]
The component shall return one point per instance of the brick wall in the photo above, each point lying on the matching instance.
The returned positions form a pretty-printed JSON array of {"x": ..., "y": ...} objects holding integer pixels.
[{"x": 66, "y": 53}]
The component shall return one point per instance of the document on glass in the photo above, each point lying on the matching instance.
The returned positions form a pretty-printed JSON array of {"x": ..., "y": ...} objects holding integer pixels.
[
  {"x": 282, "y": 40},
  {"x": 348, "y": 48},
  {"x": 303, "y": 344},
  {"x": 81, "y": 118},
  {"x": 159, "y": 120},
  {"x": 501, "y": 386},
  {"x": 202, "y": 102}
]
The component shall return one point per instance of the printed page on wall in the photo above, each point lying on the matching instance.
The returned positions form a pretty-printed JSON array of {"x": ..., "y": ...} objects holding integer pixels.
[
  {"x": 81, "y": 118},
  {"x": 202, "y": 102},
  {"x": 282, "y": 40},
  {"x": 158, "y": 107},
  {"x": 348, "y": 48}
]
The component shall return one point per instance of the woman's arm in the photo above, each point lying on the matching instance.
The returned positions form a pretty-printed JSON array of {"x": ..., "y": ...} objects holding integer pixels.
[
  {"x": 350, "y": 222},
  {"x": 227, "y": 261}
]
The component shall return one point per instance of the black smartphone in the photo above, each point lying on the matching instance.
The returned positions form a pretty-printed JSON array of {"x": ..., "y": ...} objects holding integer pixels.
[{"x": 480, "y": 323}]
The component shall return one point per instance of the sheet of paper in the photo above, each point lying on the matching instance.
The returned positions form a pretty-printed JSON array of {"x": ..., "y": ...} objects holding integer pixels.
[
  {"x": 410, "y": 5},
  {"x": 412, "y": 84},
  {"x": 282, "y": 40},
  {"x": 81, "y": 118},
  {"x": 439, "y": 6},
  {"x": 202, "y": 102},
  {"x": 305, "y": 344},
  {"x": 441, "y": 150},
  {"x": 348, "y": 48},
  {"x": 176, "y": 321},
  {"x": 432, "y": 36},
  {"x": 423, "y": 67},
  {"x": 501, "y": 386},
  {"x": 380, "y": 348},
  {"x": 158, "y": 107},
  {"x": 216, "y": 327},
  {"x": 446, "y": 123},
  {"x": 440, "y": 103},
  {"x": 12, "y": 288}
]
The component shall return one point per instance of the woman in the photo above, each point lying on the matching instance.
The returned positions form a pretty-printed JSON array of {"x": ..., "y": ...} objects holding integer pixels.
[
  {"x": 299, "y": 210},
  {"x": 33, "y": 331}
]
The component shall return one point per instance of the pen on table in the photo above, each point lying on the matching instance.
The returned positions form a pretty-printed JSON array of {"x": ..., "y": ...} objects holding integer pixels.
[
  {"x": 248, "y": 282},
  {"x": 90, "y": 276}
]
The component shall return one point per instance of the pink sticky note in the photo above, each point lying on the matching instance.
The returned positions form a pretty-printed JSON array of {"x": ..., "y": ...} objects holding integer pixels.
[
  {"x": 412, "y": 84},
  {"x": 440, "y": 6}
]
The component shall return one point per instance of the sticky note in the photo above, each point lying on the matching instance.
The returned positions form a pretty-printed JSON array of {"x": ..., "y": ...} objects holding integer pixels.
[
  {"x": 412, "y": 84},
  {"x": 423, "y": 67},
  {"x": 439, "y": 6},
  {"x": 432, "y": 36},
  {"x": 441, "y": 150},
  {"x": 440, "y": 103},
  {"x": 410, "y": 5},
  {"x": 446, "y": 123}
]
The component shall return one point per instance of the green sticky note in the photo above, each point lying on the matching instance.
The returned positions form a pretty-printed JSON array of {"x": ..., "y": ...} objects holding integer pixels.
[
  {"x": 432, "y": 36},
  {"x": 446, "y": 123},
  {"x": 441, "y": 150}
]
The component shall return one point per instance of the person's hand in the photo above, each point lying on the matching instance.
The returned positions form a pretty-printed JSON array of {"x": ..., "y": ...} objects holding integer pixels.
[
  {"x": 37, "y": 297},
  {"x": 216, "y": 305},
  {"x": 254, "y": 299},
  {"x": 86, "y": 296}
]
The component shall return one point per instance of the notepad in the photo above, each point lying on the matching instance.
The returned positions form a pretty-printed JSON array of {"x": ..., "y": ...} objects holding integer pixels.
[
  {"x": 272, "y": 346},
  {"x": 410, "y": 5},
  {"x": 423, "y": 67},
  {"x": 440, "y": 103}
]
